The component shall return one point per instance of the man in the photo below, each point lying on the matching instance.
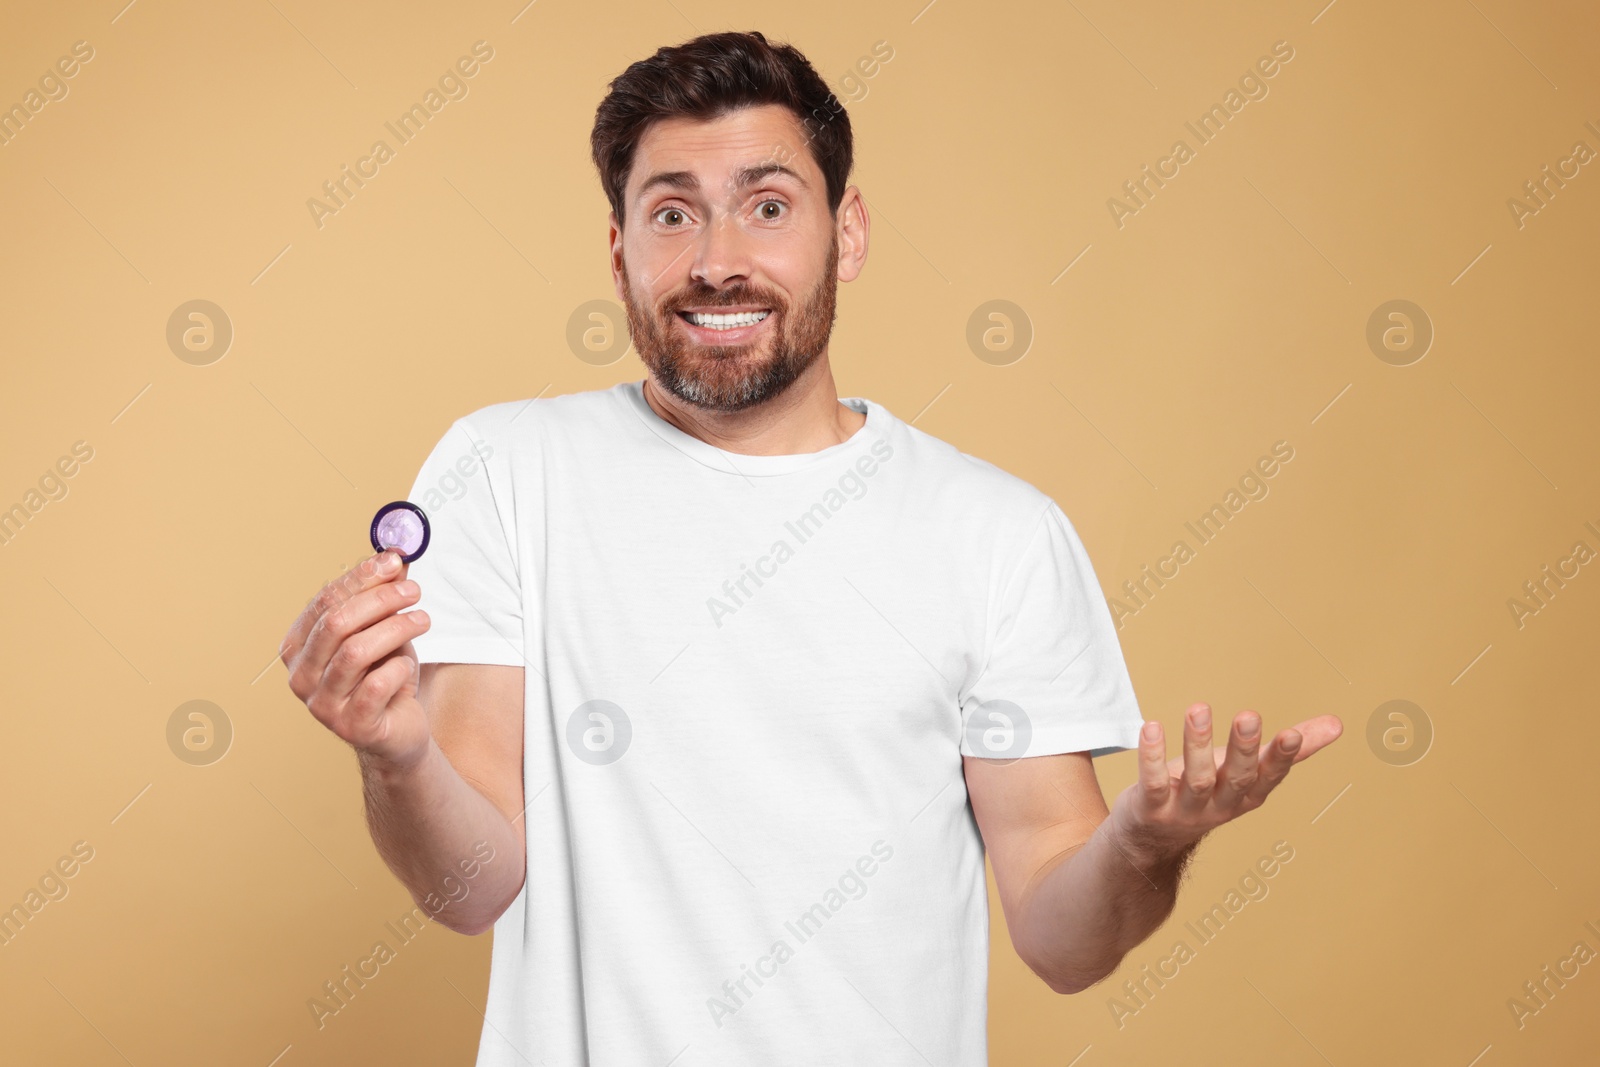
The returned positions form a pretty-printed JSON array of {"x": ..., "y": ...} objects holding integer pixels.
[{"x": 736, "y": 681}]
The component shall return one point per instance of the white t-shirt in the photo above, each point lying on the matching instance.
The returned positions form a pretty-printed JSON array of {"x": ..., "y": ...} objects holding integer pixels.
[{"x": 750, "y": 683}]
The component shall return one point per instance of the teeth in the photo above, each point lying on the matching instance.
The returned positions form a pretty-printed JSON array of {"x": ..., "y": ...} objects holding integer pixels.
[{"x": 726, "y": 322}]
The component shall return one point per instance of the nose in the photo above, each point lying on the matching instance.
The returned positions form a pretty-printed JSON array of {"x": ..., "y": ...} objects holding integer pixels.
[{"x": 722, "y": 256}]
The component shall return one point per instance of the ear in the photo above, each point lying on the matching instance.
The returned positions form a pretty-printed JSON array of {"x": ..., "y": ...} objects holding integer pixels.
[
  {"x": 853, "y": 228},
  {"x": 614, "y": 241}
]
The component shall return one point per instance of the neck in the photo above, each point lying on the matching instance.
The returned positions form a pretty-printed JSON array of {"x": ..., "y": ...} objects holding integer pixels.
[{"x": 806, "y": 417}]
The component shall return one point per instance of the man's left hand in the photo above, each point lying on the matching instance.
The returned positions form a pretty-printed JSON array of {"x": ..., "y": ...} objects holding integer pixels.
[{"x": 1176, "y": 802}]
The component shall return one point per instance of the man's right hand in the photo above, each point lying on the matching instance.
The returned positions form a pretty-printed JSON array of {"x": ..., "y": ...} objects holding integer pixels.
[{"x": 351, "y": 662}]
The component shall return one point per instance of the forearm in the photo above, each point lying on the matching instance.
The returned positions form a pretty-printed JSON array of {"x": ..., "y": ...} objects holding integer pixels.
[
  {"x": 434, "y": 829},
  {"x": 1088, "y": 909}
]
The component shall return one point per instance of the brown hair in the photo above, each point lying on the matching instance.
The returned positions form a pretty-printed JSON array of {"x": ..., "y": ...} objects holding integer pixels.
[{"x": 704, "y": 79}]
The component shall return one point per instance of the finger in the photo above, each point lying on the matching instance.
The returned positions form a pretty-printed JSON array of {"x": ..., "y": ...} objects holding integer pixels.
[
  {"x": 324, "y": 598},
  {"x": 361, "y": 722},
  {"x": 1155, "y": 783},
  {"x": 1239, "y": 769},
  {"x": 1275, "y": 764},
  {"x": 346, "y": 619},
  {"x": 1317, "y": 733},
  {"x": 1199, "y": 765},
  {"x": 364, "y": 575},
  {"x": 362, "y": 650}
]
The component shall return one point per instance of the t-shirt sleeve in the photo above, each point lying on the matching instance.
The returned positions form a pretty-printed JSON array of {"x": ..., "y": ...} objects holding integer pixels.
[
  {"x": 1055, "y": 680},
  {"x": 468, "y": 574}
]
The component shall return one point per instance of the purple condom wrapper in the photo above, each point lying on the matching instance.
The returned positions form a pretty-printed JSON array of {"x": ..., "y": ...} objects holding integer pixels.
[{"x": 402, "y": 527}]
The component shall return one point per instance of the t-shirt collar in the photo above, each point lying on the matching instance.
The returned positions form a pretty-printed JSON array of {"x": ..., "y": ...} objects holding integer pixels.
[{"x": 739, "y": 463}]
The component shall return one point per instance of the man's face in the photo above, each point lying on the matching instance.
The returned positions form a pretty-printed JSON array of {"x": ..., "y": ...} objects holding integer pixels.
[{"x": 715, "y": 225}]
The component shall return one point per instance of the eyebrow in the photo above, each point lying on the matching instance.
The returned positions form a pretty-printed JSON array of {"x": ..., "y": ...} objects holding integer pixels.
[{"x": 743, "y": 178}]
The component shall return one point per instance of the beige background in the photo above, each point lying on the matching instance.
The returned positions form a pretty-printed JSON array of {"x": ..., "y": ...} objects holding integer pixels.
[{"x": 1229, "y": 313}]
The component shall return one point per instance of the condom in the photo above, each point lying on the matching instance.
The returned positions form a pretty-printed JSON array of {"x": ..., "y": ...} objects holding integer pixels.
[{"x": 402, "y": 527}]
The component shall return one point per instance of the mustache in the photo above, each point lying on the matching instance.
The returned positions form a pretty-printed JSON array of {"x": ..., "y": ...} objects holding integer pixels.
[{"x": 721, "y": 298}]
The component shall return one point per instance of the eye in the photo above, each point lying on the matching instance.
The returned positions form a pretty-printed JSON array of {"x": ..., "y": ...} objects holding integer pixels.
[
  {"x": 761, "y": 211},
  {"x": 671, "y": 211}
]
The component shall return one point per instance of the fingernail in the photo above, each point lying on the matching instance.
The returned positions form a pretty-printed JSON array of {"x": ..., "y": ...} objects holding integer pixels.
[
  {"x": 1202, "y": 718},
  {"x": 1151, "y": 731},
  {"x": 1291, "y": 743},
  {"x": 1249, "y": 728},
  {"x": 386, "y": 562},
  {"x": 407, "y": 587}
]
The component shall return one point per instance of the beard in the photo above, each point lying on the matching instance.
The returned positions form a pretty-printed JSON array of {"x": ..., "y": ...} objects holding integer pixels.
[{"x": 734, "y": 377}]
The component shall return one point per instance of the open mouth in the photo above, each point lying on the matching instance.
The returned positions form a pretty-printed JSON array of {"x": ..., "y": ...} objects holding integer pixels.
[{"x": 724, "y": 321}]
